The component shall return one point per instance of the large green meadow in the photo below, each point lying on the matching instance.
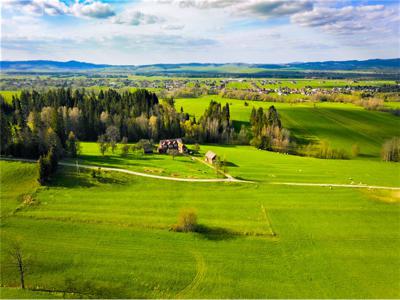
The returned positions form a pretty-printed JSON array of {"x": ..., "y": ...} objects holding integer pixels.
[{"x": 110, "y": 235}]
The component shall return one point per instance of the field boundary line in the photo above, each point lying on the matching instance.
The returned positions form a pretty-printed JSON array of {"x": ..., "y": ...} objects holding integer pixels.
[
  {"x": 267, "y": 220},
  {"x": 94, "y": 167},
  {"x": 357, "y": 186},
  {"x": 200, "y": 274}
]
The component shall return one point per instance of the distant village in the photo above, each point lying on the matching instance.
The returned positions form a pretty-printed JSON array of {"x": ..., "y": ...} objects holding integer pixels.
[{"x": 205, "y": 86}]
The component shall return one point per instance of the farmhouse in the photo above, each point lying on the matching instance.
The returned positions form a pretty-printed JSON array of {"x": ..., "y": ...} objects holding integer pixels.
[
  {"x": 171, "y": 144},
  {"x": 210, "y": 157}
]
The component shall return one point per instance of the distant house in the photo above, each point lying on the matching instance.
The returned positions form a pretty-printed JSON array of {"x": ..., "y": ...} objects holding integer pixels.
[
  {"x": 210, "y": 157},
  {"x": 171, "y": 144}
]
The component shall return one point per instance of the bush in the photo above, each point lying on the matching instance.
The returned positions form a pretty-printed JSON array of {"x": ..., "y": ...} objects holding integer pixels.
[
  {"x": 355, "y": 150},
  {"x": 391, "y": 150},
  {"x": 187, "y": 221},
  {"x": 324, "y": 151}
]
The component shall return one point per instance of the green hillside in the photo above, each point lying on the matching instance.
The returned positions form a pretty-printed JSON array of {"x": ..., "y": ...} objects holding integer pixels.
[
  {"x": 109, "y": 236},
  {"x": 341, "y": 124}
]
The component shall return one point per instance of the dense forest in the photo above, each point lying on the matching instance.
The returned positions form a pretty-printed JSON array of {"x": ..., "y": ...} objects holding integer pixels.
[{"x": 36, "y": 122}]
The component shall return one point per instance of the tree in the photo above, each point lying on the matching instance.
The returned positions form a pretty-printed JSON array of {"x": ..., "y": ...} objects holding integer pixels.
[
  {"x": 112, "y": 135},
  {"x": 44, "y": 169},
  {"x": 5, "y": 132},
  {"x": 103, "y": 144},
  {"x": 53, "y": 159},
  {"x": 19, "y": 260},
  {"x": 125, "y": 147},
  {"x": 391, "y": 150},
  {"x": 243, "y": 136},
  {"x": 173, "y": 153},
  {"x": 72, "y": 145}
]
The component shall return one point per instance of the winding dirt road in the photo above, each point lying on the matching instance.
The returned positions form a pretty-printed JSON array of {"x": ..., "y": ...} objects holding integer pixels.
[
  {"x": 228, "y": 179},
  {"x": 83, "y": 166}
]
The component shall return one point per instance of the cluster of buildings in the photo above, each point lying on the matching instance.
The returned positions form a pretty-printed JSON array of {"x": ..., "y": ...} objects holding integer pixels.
[{"x": 177, "y": 145}]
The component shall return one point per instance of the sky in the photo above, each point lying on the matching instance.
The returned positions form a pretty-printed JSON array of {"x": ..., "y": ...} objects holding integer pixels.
[{"x": 207, "y": 31}]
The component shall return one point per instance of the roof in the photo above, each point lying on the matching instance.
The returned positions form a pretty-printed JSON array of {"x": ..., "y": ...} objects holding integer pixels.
[
  {"x": 211, "y": 155},
  {"x": 171, "y": 141}
]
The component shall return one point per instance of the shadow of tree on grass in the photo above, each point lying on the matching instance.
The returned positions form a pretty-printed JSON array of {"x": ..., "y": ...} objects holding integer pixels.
[{"x": 215, "y": 233}]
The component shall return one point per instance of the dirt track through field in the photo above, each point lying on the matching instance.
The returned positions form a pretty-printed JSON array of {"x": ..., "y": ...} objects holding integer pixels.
[
  {"x": 229, "y": 179},
  {"x": 201, "y": 269},
  {"x": 93, "y": 167},
  {"x": 331, "y": 185}
]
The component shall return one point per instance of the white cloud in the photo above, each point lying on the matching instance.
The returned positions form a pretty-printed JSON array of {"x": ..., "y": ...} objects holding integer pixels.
[
  {"x": 136, "y": 18},
  {"x": 207, "y": 4},
  {"x": 37, "y": 7},
  {"x": 348, "y": 20},
  {"x": 95, "y": 9},
  {"x": 173, "y": 26},
  {"x": 277, "y": 8},
  {"x": 86, "y": 9}
]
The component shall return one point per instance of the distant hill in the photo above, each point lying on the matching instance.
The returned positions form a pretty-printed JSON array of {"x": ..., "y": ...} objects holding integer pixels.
[
  {"x": 349, "y": 64},
  {"x": 382, "y": 68},
  {"x": 48, "y": 65}
]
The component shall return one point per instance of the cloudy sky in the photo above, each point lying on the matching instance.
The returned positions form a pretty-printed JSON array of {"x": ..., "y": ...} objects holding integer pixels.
[{"x": 169, "y": 31}]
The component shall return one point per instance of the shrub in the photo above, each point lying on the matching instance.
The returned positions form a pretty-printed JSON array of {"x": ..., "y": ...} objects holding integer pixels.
[
  {"x": 355, "y": 150},
  {"x": 125, "y": 147},
  {"x": 187, "y": 221},
  {"x": 391, "y": 150},
  {"x": 324, "y": 151}
]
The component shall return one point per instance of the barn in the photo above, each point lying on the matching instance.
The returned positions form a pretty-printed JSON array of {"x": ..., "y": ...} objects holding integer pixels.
[{"x": 210, "y": 157}]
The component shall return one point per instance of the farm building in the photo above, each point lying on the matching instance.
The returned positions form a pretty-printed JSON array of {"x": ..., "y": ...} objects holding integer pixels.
[
  {"x": 210, "y": 157},
  {"x": 170, "y": 144}
]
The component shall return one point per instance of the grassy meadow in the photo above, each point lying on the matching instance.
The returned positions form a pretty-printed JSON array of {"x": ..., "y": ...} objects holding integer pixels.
[
  {"x": 164, "y": 165},
  {"x": 109, "y": 236},
  {"x": 342, "y": 125}
]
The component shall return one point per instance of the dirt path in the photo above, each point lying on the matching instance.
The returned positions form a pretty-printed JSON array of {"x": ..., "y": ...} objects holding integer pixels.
[
  {"x": 359, "y": 186},
  {"x": 229, "y": 179},
  {"x": 212, "y": 167}
]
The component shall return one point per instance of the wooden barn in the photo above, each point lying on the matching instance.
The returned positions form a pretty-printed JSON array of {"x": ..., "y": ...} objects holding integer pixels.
[
  {"x": 210, "y": 157},
  {"x": 171, "y": 144}
]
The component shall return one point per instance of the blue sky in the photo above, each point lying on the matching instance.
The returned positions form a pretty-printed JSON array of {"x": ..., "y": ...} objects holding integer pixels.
[{"x": 177, "y": 31}]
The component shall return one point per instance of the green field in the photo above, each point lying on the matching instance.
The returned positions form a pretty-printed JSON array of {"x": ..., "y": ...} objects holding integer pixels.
[
  {"x": 108, "y": 236},
  {"x": 343, "y": 125},
  {"x": 7, "y": 95},
  {"x": 164, "y": 165},
  {"x": 112, "y": 233}
]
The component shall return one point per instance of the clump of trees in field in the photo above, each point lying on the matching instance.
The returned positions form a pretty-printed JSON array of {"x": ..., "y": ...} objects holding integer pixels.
[
  {"x": 47, "y": 166},
  {"x": 213, "y": 126},
  {"x": 187, "y": 221},
  {"x": 391, "y": 150},
  {"x": 247, "y": 95},
  {"x": 326, "y": 151},
  {"x": 267, "y": 131}
]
